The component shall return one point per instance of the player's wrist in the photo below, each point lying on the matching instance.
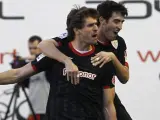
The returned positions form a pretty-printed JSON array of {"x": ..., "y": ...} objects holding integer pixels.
[
  {"x": 113, "y": 57},
  {"x": 66, "y": 60}
]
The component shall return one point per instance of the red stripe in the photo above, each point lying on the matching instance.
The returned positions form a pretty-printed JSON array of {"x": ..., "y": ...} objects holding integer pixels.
[
  {"x": 59, "y": 43},
  {"x": 31, "y": 117},
  {"x": 106, "y": 87},
  {"x": 126, "y": 64},
  {"x": 34, "y": 68},
  {"x": 81, "y": 54}
]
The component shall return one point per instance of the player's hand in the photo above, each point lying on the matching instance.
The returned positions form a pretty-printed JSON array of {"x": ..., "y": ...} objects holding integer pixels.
[
  {"x": 102, "y": 58},
  {"x": 72, "y": 72}
]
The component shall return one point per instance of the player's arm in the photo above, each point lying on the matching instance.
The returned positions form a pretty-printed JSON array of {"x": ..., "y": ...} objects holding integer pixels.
[
  {"x": 108, "y": 83},
  {"x": 122, "y": 71},
  {"x": 109, "y": 108},
  {"x": 16, "y": 75},
  {"x": 120, "y": 64},
  {"x": 41, "y": 63},
  {"x": 49, "y": 48}
]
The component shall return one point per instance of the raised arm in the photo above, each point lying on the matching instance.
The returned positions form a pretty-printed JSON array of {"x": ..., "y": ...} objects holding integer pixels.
[
  {"x": 49, "y": 48},
  {"x": 120, "y": 61},
  {"x": 16, "y": 75}
]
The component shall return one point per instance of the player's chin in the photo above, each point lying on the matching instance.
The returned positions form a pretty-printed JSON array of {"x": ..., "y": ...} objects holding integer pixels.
[
  {"x": 94, "y": 41},
  {"x": 112, "y": 37}
]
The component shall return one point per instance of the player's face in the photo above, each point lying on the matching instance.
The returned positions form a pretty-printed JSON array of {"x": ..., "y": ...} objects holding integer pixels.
[
  {"x": 88, "y": 34},
  {"x": 112, "y": 26},
  {"x": 33, "y": 47}
]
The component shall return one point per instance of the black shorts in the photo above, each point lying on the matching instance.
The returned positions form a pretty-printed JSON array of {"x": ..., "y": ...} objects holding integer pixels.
[{"x": 121, "y": 112}]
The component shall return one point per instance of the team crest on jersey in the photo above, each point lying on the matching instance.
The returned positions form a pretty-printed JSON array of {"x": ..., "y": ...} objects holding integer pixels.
[
  {"x": 115, "y": 43},
  {"x": 40, "y": 57},
  {"x": 63, "y": 35}
]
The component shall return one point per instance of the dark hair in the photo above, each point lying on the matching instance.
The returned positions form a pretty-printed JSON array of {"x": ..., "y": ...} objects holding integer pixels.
[
  {"x": 72, "y": 13},
  {"x": 76, "y": 19},
  {"x": 106, "y": 8},
  {"x": 34, "y": 38}
]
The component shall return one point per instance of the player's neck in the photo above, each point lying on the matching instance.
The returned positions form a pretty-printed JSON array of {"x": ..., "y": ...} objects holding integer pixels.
[
  {"x": 81, "y": 46},
  {"x": 101, "y": 37}
]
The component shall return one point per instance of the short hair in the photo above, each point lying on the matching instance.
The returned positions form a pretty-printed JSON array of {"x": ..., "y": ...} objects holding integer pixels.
[
  {"x": 72, "y": 13},
  {"x": 34, "y": 38},
  {"x": 76, "y": 19},
  {"x": 106, "y": 8}
]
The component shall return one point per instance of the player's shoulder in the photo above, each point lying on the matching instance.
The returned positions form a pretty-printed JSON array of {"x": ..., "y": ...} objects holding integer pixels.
[
  {"x": 62, "y": 36},
  {"x": 121, "y": 42}
]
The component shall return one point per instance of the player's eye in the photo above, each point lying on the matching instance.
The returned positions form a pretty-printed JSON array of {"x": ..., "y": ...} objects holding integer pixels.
[{"x": 91, "y": 24}]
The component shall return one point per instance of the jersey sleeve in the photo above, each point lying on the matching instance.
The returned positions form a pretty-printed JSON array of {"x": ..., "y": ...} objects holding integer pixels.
[
  {"x": 62, "y": 39},
  {"x": 108, "y": 77},
  {"x": 42, "y": 63},
  {"x": 122, "y": 52}
]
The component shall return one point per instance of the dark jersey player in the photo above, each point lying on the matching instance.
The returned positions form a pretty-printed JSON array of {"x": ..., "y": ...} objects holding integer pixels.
[
  {"x": 118, "y": 47},
  {"x": 83, "y": 101},
  {"x": 111, "y": 19},
  {"x": 87, "y": 100}
]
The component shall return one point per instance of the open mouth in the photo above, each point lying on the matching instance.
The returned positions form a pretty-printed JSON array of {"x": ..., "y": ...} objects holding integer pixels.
[{"x": 95, "y": 35}]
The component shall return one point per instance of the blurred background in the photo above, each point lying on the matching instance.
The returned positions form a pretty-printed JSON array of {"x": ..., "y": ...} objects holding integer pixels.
[{"x": 20, "y": 19}]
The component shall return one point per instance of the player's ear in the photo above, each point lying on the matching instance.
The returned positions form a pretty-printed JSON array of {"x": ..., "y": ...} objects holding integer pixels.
[
  {"x": 101, "y": 20},
  {"x": 76, "y": 31}
]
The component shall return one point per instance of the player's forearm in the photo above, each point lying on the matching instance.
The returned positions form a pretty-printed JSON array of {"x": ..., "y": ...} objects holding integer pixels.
[
  {"x": 9, "y": 77},
  {"x": 49, "y": 49},
  {"x": 122, "y": 72},
  {"x": 110, "y": 112}
]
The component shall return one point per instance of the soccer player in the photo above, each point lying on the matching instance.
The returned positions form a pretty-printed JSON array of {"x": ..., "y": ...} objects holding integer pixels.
[
  {"x": 74, "y": 102},
  {"x": 111, "y": 20}
]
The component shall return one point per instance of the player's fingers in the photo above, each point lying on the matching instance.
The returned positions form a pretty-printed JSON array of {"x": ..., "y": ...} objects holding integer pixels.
[
  {"x": 76, "y": 77},
  {"x": 72, "y": 77},
  {"x": 104, "y": 62},
  {"x": 67, "y": 72},
  {"x": 69, "y": 75},
  {"x": 99, "y": 62},
  {"x": 95, "y": 58}
]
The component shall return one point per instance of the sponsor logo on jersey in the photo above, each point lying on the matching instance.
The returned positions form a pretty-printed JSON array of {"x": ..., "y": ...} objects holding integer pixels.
[{"x": 83, "y": 74}]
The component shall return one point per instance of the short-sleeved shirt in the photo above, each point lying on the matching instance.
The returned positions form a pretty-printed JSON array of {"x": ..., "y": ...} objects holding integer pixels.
[{"x": 76, "y": 102}]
